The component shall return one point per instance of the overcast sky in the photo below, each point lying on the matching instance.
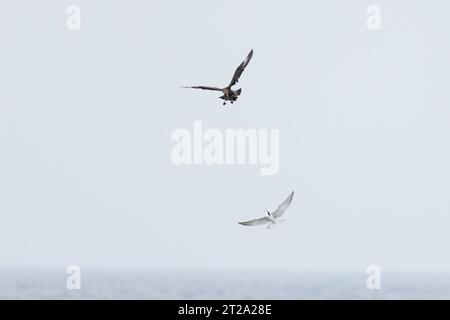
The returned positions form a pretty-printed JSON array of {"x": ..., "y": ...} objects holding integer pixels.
[{"x": 86, "y": 119}]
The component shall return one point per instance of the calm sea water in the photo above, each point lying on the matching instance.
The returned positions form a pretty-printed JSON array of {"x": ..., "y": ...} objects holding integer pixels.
[{"x": 95, "y": 284}]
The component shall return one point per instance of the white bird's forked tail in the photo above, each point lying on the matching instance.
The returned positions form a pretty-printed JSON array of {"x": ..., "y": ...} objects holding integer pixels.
[{"x": 271, "y": 225}]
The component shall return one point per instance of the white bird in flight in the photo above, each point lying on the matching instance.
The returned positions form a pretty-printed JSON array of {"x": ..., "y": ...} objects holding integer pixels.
[{"x": 272, "y": 218}]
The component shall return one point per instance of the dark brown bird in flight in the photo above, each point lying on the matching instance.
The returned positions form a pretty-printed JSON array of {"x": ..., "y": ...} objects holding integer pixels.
[{"x": 228, "y": 93}]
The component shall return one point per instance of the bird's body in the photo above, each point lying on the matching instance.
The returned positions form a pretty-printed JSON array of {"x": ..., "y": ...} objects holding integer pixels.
[
  {"x": 271, "y": 219},
  {"x": 228, "y": 93}
]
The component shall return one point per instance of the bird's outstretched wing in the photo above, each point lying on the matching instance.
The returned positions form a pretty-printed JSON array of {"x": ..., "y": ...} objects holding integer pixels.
[
  {"x": 255, "y": 222},
  {"x": 286, "y": 203},
  {"x": 240, "y": 69},
  {"x": 203, "y": 88}
]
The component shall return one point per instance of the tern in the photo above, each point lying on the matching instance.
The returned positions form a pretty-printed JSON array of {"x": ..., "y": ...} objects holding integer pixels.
[
  {"x": 272, "y": 218},
  {"x": 228, "y": 93}
]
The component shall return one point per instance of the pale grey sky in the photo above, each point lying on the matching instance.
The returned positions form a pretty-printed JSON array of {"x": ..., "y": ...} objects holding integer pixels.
[{"x": 86, "y": 119}]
